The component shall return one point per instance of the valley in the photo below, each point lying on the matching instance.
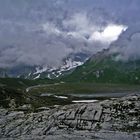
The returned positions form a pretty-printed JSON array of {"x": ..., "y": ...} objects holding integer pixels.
[
  {"x": 69, "y": 70},
  {"x": 45, "y": 92}
]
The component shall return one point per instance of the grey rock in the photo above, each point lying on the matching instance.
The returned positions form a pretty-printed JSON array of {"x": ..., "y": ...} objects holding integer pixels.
[
  {"x": 26, "y": 107},
  {"x": 42, "y": 108},
  {"x": 107, "y": 120}
]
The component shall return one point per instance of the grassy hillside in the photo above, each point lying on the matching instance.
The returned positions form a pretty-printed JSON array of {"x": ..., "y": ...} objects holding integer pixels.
[
  {"x": 22, "y": 83},
  {"x": 103, "y": 68},
  {"x": 15, "y": 88}
]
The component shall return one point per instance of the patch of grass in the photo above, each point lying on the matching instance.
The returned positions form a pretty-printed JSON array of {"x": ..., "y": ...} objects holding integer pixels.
[
  {"x": 7, "y": 94},
  {"x": 19, "y": 83},
  {"x": 14, "y": 88},
  {"x": 65, "y": 88}
]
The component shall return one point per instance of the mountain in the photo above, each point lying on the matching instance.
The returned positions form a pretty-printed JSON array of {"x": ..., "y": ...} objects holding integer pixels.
[
  {"x": 36, "y": 72},
  {"x": 105, "y": 68}
]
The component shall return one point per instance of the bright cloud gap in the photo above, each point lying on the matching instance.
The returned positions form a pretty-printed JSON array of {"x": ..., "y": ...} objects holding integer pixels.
[{"x": 110, "y": 33}]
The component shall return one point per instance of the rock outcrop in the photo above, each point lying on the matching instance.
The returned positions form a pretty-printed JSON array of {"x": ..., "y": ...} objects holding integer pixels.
[{"x": 113, "y": 119}]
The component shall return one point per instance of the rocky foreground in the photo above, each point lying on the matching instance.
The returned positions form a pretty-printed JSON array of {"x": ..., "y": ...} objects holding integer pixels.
[{"x": 113, "y": 119}]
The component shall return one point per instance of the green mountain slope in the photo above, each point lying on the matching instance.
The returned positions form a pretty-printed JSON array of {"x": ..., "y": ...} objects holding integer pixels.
[{"x": 103, "y": 68}]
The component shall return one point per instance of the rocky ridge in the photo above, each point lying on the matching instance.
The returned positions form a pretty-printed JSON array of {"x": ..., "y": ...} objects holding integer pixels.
[{"x": 113, "y": 119}]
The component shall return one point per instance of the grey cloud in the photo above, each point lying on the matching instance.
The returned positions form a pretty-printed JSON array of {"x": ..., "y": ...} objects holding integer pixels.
[
  {"x": 44, "y": 32},
  {"x": 129, "y": 49}
]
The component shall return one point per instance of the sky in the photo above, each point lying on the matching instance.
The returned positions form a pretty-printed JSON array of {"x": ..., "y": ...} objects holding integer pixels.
[{"x": 44, "y": 32}]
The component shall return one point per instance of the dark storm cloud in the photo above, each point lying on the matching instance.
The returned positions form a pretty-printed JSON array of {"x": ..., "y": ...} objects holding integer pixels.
[{"x": 43, "y": 32}]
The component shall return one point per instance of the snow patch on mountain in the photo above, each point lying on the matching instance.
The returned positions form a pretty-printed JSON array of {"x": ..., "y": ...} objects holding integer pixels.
[
  {"x": 69, "y": 64},
  {"x": 38, "y": 76},
  {"x": 39, "y": 70}
]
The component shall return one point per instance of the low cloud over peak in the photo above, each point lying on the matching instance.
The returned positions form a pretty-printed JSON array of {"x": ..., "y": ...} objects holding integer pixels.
[{"x": 45, "y": 32}]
